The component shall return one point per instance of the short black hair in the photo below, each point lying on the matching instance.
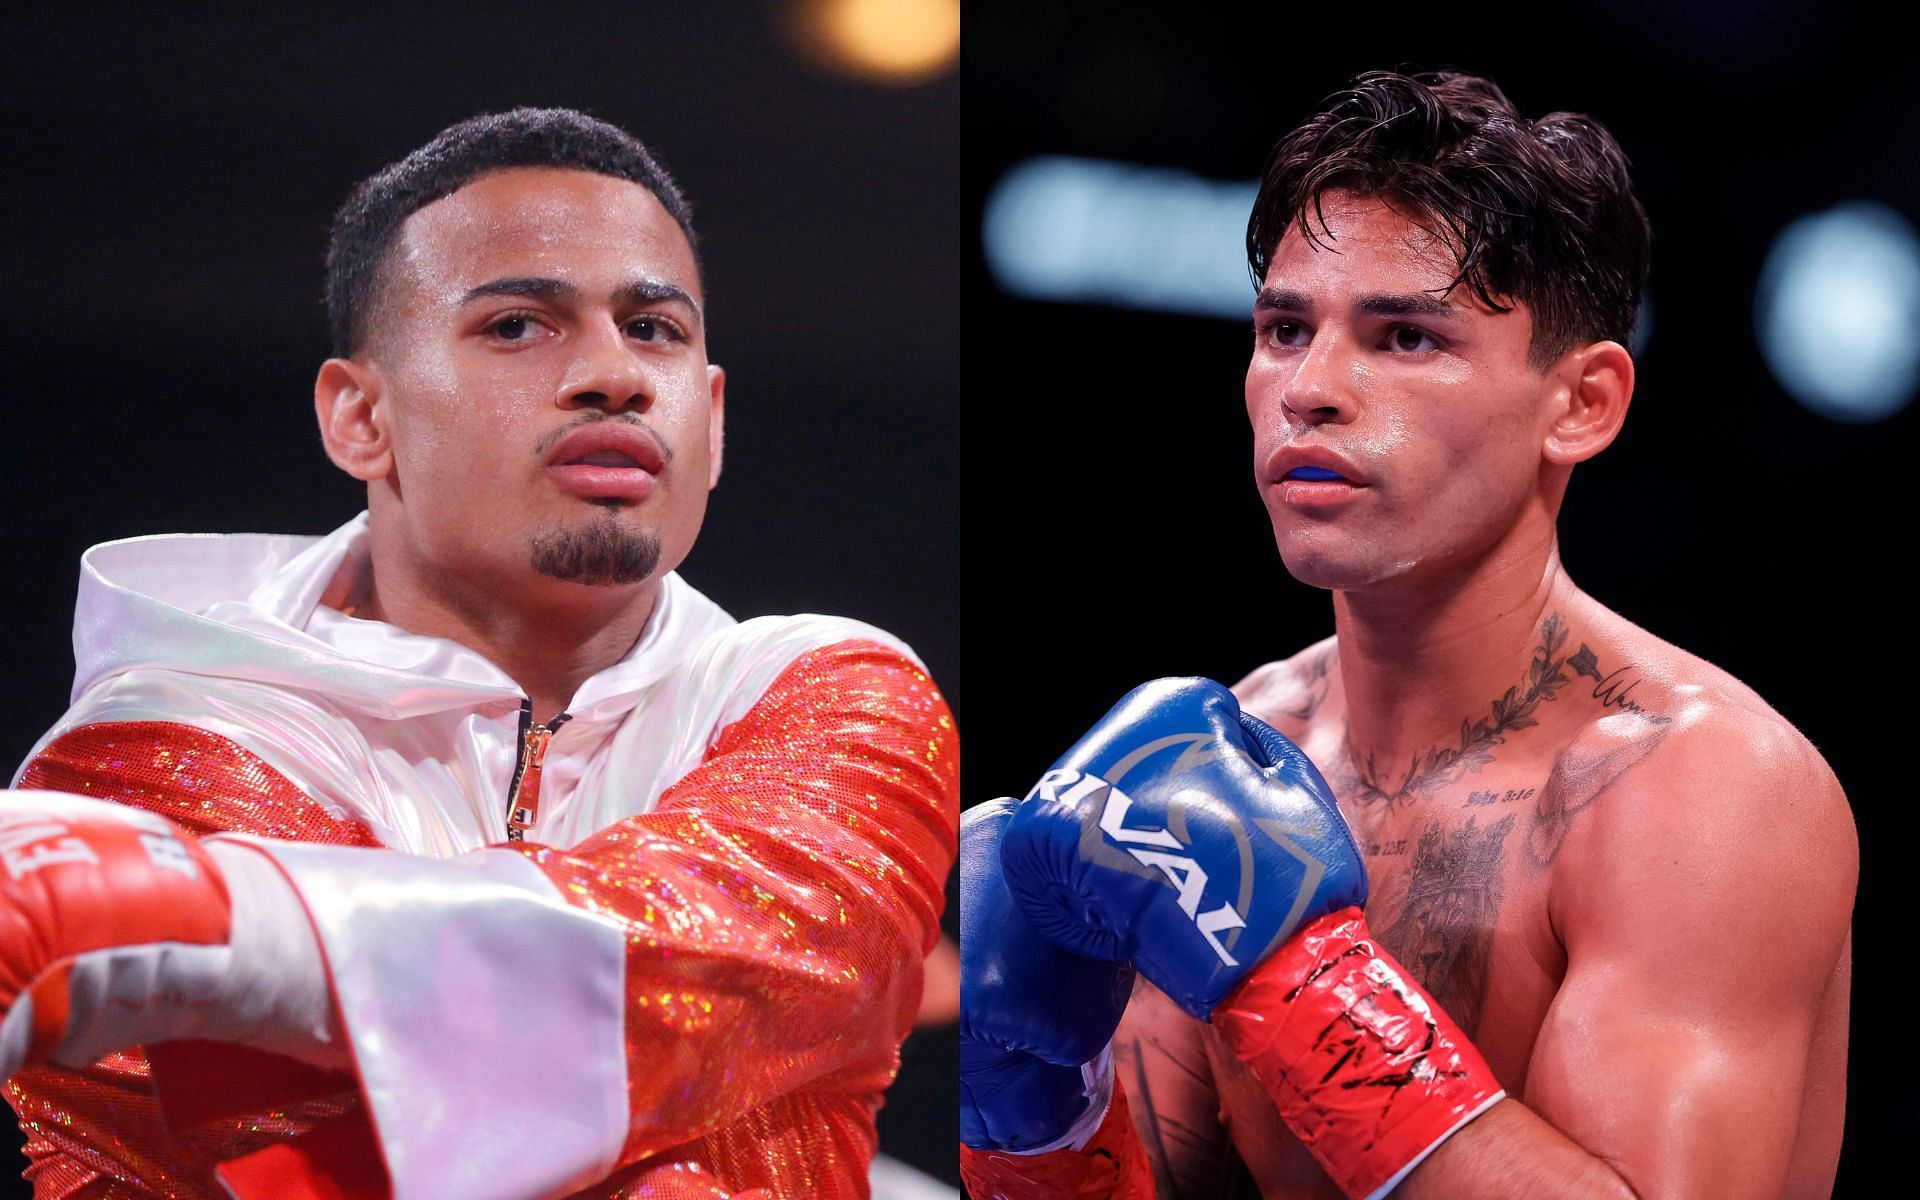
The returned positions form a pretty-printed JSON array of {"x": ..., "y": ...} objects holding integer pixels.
[
  {"x": 1538, "y": 211},
  {"x": 368, "y": 224}
]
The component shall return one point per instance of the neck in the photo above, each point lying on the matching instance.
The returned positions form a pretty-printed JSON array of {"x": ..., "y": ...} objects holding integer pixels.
[
  {"x": 1427, "y": 666},
  {"x": 549, "y": 641}
]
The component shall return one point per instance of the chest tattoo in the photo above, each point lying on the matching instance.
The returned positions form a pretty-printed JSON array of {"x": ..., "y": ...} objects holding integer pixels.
[
  {"x": 1444, "y": 933},
  {"x": 1443, "y": 927},
  {"x": 1366, "y": 783},
  {"x": 1578, "y": 780}
]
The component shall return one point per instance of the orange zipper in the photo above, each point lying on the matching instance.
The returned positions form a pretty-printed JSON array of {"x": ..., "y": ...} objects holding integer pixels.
[{"x": 523, "y": 799}]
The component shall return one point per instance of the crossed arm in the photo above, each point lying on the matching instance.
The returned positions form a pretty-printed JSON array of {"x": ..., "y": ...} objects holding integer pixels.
[
  {"x": 1704, "y": 909},
  {"x": 754, "y": 941}
]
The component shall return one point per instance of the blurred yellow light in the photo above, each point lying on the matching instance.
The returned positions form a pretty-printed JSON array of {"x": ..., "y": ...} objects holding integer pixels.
[{"x": 885, "y": 41}]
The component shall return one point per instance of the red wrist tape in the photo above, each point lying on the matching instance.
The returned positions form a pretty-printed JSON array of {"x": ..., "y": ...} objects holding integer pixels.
[
  {"x": 1113, "y": 1164},
  {"x": 1363, "y": 1066}
]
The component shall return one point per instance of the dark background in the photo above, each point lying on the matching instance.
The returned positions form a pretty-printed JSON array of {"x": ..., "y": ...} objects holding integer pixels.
[
  {"x": 170, "y": 183},
  {"x": 1113, "y": 530}
]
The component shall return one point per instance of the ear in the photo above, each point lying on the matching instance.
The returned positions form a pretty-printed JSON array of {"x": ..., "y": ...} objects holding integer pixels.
[
  {"x": 1595, "y": 388},
  {"x": 717, "y": 422},
  {"x": 348, "y": 398}
]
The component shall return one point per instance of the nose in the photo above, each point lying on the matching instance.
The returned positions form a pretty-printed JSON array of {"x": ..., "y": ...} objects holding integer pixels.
[
  {"x": 606, "y": 372},
  {"x": 1318, "y": 387}
]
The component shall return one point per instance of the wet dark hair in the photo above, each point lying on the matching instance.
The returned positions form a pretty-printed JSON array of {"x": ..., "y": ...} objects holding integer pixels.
[
  {"x": 1541, "y": 212},
  {"x": 368, "y": 224}
]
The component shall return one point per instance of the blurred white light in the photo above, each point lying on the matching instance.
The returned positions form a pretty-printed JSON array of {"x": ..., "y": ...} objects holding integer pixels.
[
  {"x": 1085, "y": 231},
  {"x": 1838, "y": 311}
]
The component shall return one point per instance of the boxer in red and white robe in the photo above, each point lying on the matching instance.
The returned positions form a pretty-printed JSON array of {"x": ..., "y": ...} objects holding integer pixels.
[
  {"x": 692, "y": 974},
  {"x": 468, "y": 853}
]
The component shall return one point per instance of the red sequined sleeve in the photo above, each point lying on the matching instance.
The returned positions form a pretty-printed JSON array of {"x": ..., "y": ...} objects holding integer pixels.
[
  {"x": 779, "y": 901},
  {"x": 205, "y": 782},
  {"x": 99, "y": 1132}
]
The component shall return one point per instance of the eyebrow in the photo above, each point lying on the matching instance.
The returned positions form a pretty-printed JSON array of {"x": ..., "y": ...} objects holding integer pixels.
[
  {"x": 1379, "y": 304},
  {"x": 640, "y": 291}
]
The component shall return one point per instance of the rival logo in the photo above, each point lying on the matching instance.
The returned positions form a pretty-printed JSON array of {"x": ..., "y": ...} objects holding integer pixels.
[{"x": 1068, "y": 786}]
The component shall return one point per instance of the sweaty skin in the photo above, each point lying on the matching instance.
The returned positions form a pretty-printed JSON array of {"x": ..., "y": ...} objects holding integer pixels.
[
  {"x": 529, "y": 304},
  {"x": 1625, "y": 875}
]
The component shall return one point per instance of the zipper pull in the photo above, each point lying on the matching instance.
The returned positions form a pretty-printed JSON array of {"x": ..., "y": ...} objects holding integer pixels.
[{"x": 523, "y": 803}]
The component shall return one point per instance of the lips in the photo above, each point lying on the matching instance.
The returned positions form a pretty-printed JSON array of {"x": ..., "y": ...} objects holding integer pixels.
[
  {"x": 610, "y": 444},
  {"x": 1311, "y": 464},
  {"x": 608, "y": 460}
]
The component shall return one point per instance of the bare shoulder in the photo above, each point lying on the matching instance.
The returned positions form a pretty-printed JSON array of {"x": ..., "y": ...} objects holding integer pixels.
[
  {"x": 1691, "y": 769},
  {"x": 1702, "y": 901},
  {"x": 1287, "y": 693},
  {"x": 1700, "y": 725}
]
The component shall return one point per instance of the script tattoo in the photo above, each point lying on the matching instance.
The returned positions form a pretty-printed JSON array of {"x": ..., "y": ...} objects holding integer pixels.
[
  {"x": 1434, "y": 770},
  {"x": 1609, "y": 690},
  {"x": 1445, "y": 932},
  {"x": 1481, "y": 799},
  {"x": 1442, "y": 765},
  {"x": 1580, "y": 776}
]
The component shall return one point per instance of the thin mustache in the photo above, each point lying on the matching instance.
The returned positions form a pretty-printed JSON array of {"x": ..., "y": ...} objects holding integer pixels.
[{"x": 552, "y": 439}]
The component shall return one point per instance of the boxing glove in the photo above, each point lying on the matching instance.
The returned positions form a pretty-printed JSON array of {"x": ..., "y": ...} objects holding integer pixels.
[
  {"x": 1185, "y": 836},
  {"x": 1035, "y": 1020},
  {"x": 118, "y": 928},
  {"x": 1205, "y": 847}
]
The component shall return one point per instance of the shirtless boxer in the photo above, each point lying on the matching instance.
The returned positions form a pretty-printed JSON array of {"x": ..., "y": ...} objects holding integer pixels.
[{"x": 1625, "y": 878}]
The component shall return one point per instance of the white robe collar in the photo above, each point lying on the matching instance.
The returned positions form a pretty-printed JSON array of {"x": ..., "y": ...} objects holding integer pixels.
[{"x": 247, "y": 606}]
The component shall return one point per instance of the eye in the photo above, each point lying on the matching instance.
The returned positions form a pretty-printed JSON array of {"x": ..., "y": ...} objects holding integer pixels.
[
  {"x": 1408, "y": 338},
  {"x": 513, "y": 327},
  {"x": 653, "y": 329},
  {"x": 1284, "y": 333}
]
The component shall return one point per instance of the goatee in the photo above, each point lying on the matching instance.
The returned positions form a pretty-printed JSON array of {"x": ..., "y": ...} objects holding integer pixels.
[{"x": 605, "y": 551}]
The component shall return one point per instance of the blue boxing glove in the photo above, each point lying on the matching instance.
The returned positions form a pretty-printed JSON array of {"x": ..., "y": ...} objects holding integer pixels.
[
  {"x": 1185, "y": 836},
  {"x": 1203, "y": 846},
  {"x": 1035, "y": 1020}
]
